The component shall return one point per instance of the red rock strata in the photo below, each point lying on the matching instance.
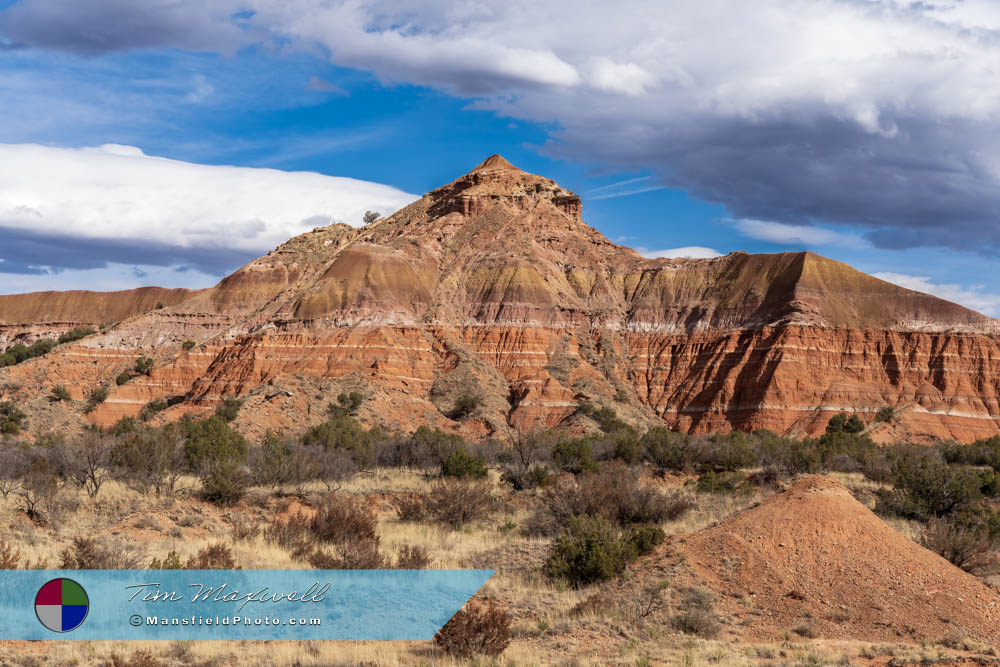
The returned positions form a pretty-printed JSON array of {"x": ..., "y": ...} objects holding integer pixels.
[{"x": 493, "y": 285}]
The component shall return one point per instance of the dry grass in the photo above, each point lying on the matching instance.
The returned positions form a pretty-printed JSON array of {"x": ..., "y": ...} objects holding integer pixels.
[{"x": 544, "y": 630}]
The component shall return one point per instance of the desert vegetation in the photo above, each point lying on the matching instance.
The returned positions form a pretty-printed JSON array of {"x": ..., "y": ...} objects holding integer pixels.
[{"x": 572, "y": 524}]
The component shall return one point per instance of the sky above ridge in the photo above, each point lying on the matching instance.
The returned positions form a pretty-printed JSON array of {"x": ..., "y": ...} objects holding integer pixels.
[{"x": 170, "y": 141}]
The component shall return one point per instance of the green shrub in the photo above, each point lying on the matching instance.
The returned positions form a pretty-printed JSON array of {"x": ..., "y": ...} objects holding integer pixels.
[
  {"x": 462, "y": 464},
  {"x": 188, "y": 345},
  {"x": 152, "y": 408},
  {"x": 573, "y": 455},
  {"x": 95, "y": 398},
  {"x": 347, "y": 404},
  {"x": 212, "y": 441},
  {"x": 143, "y": 365},
  {"x": 223, "y": 482},
  {"x": 229, "y": 408},
  {"x": 464, "y": 406},
  {"x": 725, "y": 483},
  {"x": 645, "y": 538},
  {"x": 75, "y": 335},
  {"x": 924, "y": 487},
  {"x": 60, "y": 393},
  {"x": 12, "y": 419},
  {"x": 591, "y": 549},
  {"x": 668, "y": 450},
  {"x": 123, "y": 378},
  {"x": 344, "y": 433},
  {"x": 885, "y": 415},
  {"x": 841, "y": 423}
]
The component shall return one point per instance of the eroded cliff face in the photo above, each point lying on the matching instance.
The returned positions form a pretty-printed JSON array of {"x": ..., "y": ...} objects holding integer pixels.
[{"x": 492, "y": 285}]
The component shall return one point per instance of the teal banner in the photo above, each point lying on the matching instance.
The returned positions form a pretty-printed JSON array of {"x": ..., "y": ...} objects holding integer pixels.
[{"x": 232, "y": 604}]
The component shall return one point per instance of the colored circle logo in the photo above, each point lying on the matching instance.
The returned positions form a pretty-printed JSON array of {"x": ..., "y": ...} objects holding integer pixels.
[{"x": 61, "y": 605}]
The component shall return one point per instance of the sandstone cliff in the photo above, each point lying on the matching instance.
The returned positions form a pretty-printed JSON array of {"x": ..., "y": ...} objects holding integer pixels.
[{"x": 494, "y": 285}]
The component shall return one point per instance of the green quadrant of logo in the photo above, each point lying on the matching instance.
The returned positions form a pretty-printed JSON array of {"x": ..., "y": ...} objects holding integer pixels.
[{"x": 72, "y": 593}]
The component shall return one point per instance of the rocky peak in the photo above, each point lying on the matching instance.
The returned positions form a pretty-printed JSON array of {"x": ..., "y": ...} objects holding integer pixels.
[{"x": 495, "y": 181}]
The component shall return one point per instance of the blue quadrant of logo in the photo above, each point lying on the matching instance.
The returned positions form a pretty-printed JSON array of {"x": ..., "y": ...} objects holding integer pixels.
[{"x": 73, "y": 615}]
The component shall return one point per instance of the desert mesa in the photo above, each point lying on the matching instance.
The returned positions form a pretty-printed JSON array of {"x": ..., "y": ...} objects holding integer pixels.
[{"x": 493, "y": 286}]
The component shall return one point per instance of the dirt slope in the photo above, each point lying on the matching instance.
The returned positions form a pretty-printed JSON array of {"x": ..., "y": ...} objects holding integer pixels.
[{"x": 815, "y": 556}]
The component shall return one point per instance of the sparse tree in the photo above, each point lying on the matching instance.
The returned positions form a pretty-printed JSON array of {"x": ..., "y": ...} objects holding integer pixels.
[
  {"x": 60, "y": 393},
  {"x": 371, "y": 216}
]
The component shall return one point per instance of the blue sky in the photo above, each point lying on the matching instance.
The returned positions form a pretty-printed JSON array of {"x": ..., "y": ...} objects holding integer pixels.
[{"x": 817, "y": 143}]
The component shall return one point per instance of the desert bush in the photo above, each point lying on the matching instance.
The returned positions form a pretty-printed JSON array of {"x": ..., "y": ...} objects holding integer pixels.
[
  {"x": 412, "y": 558},
  {"x": 154, "y": 407},
  {"x": 727, "y": 453},
  {"x": 172, "y": 561},
  {"x": 589, "y": 550},
  {"x": 75, "y": 334},
  {"x": 885, "y": 415},
  {"x": 140, "y": 658},
  {"x": 344, "y": 433},
  {"x": 10, "y": 556},
  {"x": 573, "y": 455},
  {"x": 188, "y": 345},
  {"x": 924, "y": 486},
  {"x": 370, "y": 217},
  {"x": 531, "y": 477},
  {"x": 644, "y": 539},
  {"x": 477, "y": 629},
  {"x": 89, "y": 553},
  {"x": 96, "y": 396},
  {"x": 229, "y": 408},
  {"x": 726, "y": 483},
  {"x": 245, "y": 529},
  {"x": 464, "y": 406},
  {"x": 842, "y": 423},
  {"x": 210, "y": 441},
  {"x": 123, "y": 378},
  {"x": 12, "y": 419},
  {"x": 147, "y": 458},
  {"x": 216, "y": 556},
  {"x": 696, "y": 615},
  {"x": 614, "y": 493},
  {"x": 292, "y": 533},
  {"x": 462, "y": 464},
  {"x": 143, "y": 365},
  {"x": 39, "y": 493},
  {"x": 14, "y": 466},
  {"x": 668, "y": 450},
  {"x": 456, "y": 503},
  {"x": 223, "y": 482},
  {"x": 965, "y": 541},
  {"x": 412, "y": 507},
  {"x": 348, "y": 403},
  {"x": 434, "y": 445},
  {"x": 342, "y": 518},
  {"x": 273, "y": 463},
  {"x": 87, "y": 459},
  {"x": 356, "y": 554},
  {"x": 60, "y": 393}
]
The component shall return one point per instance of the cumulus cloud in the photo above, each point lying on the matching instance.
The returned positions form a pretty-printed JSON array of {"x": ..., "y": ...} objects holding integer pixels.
[
  {"x": 883, "y": 114},
  {"x": 695, "y": 252},
  {"x": 973, "y": 297},
  {"x": 113, "y": 203}
]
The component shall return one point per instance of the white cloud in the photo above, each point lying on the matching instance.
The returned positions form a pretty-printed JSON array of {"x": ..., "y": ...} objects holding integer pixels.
[
  {"x": 877, "y": 113},
  {"x": 118, "y": 192},
  {"x": 694, "y": 252},
  {"x": 971, "y": 297},
  {"x": 777, "y": 232}
]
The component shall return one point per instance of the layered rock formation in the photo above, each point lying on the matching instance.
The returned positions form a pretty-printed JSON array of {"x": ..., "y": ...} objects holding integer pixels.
[{"x": 492, "y": 285}]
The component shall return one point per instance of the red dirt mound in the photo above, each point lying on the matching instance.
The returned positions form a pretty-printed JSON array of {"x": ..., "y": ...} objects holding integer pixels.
[{"x": 813, "y": 558}]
